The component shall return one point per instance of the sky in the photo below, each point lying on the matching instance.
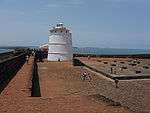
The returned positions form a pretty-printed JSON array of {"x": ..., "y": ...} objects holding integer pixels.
[{"x": 93, "y": 23}]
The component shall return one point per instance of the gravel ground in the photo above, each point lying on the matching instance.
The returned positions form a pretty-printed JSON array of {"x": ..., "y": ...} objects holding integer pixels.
[
  {"x": 60, "y": 92},
  {"x": 17, "y": 90},
  {"x": 134, "y": 94},
  {"x": 63, "y": 91},
  {"x": 116, "y": 64},
  {"x": 60, "y": 79}
]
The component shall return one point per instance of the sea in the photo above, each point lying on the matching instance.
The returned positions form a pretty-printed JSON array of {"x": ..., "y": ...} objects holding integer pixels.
[{"x": 4, "y": 50}]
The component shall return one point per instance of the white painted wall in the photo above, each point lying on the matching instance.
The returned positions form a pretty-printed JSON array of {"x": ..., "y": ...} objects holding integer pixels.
[{"x": 60, "y": 46}]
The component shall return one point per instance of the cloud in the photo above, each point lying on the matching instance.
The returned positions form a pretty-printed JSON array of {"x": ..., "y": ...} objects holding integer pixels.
[
  {"x": 121, "y": 1},
  {"x": 114, "y": 0},
  {"x": 46, "y": 6},
  {"x": 76, "y": 2},
  {"x": 52, "y": 5},
  {"x": 64, "y": 3},
  {"x": 126, "y": 3}
]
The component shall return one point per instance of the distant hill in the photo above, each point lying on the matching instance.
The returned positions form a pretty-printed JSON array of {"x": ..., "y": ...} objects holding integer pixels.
[
  {"x": 110, "y": 51},
  {"x": 14, "y": 47}
]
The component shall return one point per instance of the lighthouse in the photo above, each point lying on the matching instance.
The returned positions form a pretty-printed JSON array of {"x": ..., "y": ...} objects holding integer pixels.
[{"x": 60, "y": 44}]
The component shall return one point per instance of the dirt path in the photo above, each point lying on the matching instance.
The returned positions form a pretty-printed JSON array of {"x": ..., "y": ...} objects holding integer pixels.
[
  {"x": 62, "y": 91},
  {"x": 135, "y": 94},
  {"x": 61, "y": 82},
  {"x": 17, "y": 90},
  {"x": 20, "y": 84}
]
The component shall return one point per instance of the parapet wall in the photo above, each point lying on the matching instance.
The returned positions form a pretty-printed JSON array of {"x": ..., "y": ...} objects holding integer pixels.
[
  {"x": 114, "y": 56},
  {"x": 9, "y": 68}
]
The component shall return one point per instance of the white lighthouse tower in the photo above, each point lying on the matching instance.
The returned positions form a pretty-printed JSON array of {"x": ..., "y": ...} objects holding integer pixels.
[{"x": 60, "y": 44}]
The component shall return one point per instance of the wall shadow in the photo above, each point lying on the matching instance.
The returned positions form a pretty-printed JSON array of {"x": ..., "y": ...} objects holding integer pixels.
[
  {"x": 35, "y": 91},
  {"x": 9, "y": 68}
]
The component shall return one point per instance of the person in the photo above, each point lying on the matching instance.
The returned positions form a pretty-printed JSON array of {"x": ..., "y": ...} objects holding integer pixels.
[
  {"x": 89, "y": 57},
  {"x": 40, "y": 56},
  {"x": 121, "y": 69},
  {"x": 27, "y": 59},
  {"x": 116, "y": 82},
  {"x": 89, "y": 78},
  {"x": 86, "y": 76},
  {"x": 115, "y": 71},
  {"x": 111, "y": 69},
  {"x": 33, "y": 53},
  {"x": 83, "y": 76}
]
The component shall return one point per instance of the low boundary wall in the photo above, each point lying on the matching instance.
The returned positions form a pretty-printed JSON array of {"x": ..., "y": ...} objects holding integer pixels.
[
  {"x": 142, "y": 56},
  {"x": 77, "y": 62},
  {"x": 9, "y": 67}
]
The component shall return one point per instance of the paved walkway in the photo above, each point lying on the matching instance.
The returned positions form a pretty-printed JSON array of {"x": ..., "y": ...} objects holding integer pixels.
[
  {"x": 62, "y": 91},
  {"x": 61, "y": 82},
  {"x": 20, "y": 84},
  {"x": 133, "y": 93},
  {"x": 17, "y": 90}
]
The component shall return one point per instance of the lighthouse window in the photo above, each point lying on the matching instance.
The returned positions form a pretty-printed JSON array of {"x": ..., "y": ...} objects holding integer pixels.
[
  {"x": 55, "y": 31},
  {"x": 61, "y": 31},
  {"x": 66, "y": 32}
]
